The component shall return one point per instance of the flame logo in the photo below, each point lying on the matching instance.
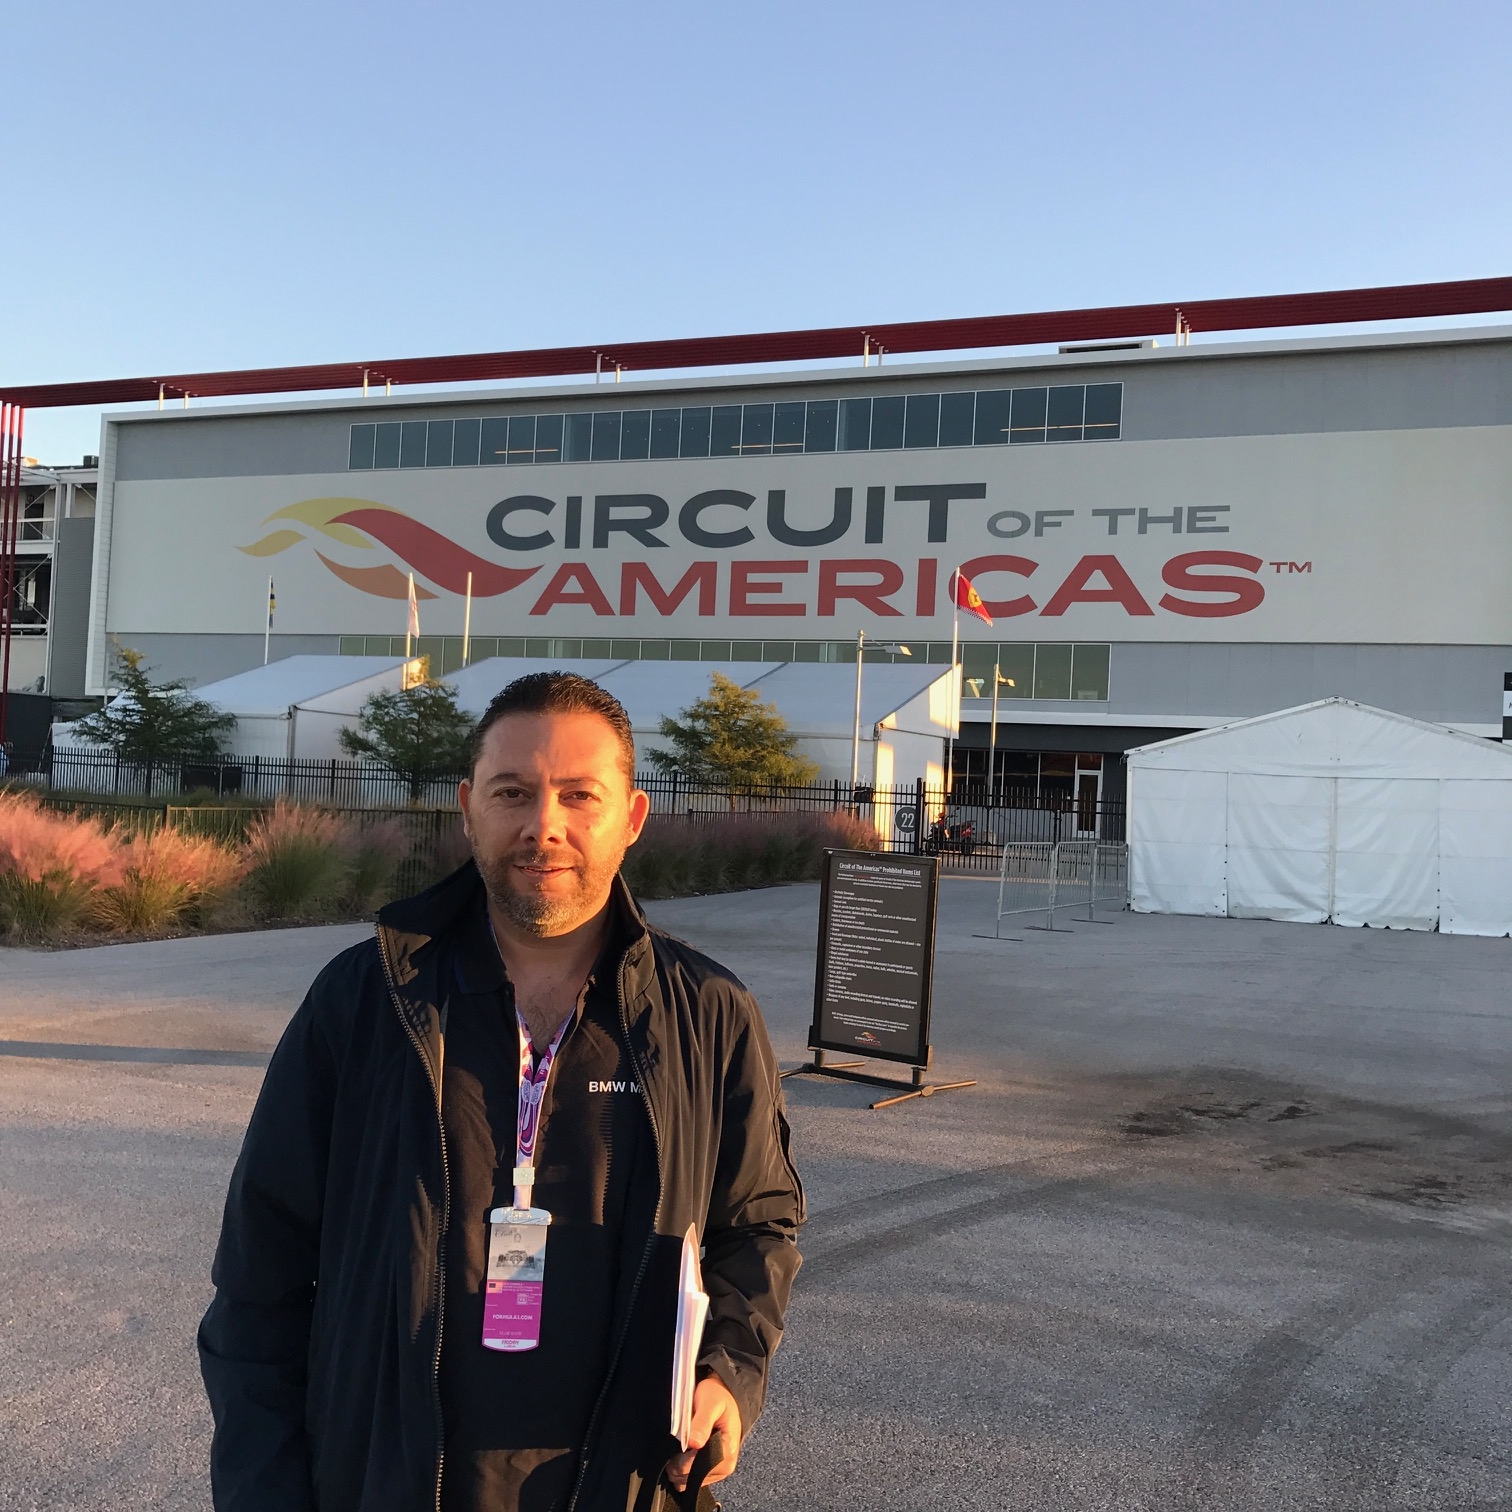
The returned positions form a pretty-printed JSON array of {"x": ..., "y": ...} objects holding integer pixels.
[{"x": 360, "y": 523}]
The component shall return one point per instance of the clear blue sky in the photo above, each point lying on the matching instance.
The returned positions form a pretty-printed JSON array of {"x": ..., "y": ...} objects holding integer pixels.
[{"x": 195, "y": 186}]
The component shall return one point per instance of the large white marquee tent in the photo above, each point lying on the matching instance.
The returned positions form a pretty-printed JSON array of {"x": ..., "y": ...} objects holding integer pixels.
[
  {"x": 905, "y": 709},
  {"x": 1330, "y": 812}
]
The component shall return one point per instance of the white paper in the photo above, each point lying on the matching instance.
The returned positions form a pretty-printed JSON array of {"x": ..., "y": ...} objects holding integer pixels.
[{"x": 692, "y": 1310}]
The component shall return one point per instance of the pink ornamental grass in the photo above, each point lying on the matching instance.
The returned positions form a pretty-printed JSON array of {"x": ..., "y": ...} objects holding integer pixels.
[
  {"x": 169, "y": 879},
  {"x": 50, "y": 865},
  {"x": 374, "y": 850},
  {"x": 296, "y": 860}
]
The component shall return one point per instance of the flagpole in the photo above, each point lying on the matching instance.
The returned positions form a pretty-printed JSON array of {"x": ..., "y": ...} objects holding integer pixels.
[
  {"x": 268, "y": 627},
  {"x": 992, "y": 746},
  {"x": 410, "y": 619},
  {"x": 467, "y": 622},
  {"x": 955, "y": 694}
]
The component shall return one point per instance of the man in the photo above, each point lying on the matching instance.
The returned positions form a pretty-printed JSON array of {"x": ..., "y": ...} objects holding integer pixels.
[{"x": 515, "y": 1038}]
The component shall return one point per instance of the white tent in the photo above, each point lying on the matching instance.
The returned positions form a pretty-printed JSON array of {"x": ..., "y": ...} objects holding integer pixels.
[
  {"x": 296, "y": 707},
  {"x": 1331, "y": 812},
  {"x": 905, "y": 709},
  {"x": 477, "y": 684},
  {"x": 905, "y": 717}
]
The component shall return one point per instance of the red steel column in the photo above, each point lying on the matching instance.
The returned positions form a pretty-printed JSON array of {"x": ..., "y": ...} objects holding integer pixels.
[{"x": 11, "y": 419}]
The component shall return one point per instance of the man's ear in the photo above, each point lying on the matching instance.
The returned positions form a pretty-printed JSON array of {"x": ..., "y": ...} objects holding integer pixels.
[
  {"x": 640, "y": 811},
  {"x": 464, "y": 798}
]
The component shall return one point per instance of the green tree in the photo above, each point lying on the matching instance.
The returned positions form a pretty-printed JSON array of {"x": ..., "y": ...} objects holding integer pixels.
[
  {"x": 732, "y": 738},
  {"x": 418, "y": 732},
  {"x": 155, "y": 722}
]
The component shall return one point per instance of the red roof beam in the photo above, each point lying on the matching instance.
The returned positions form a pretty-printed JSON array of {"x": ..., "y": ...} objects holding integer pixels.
[{"x": 1262, "y": 312}]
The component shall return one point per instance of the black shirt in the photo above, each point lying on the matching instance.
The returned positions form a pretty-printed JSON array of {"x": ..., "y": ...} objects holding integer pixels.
[{"x": 514, "y": 1422}]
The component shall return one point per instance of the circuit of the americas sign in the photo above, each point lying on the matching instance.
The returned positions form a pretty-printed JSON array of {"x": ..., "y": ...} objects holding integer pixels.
[{"x": 1334, "y": 537}]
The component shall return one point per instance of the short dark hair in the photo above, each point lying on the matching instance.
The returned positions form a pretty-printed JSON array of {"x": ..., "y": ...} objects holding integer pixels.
[{"x": 556, "y": 693}]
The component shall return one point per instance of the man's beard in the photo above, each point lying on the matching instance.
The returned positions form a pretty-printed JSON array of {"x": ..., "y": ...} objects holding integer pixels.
[{"x": 535, "y": 912}]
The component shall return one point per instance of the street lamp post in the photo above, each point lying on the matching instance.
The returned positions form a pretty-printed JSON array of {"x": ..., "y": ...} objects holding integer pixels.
[
  {"x": 998, "y": 681},
  {"x": 856, "y": 729}
]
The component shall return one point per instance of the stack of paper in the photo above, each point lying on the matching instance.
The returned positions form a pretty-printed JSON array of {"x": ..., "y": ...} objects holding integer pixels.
[{"x": 692, "y": 1309}]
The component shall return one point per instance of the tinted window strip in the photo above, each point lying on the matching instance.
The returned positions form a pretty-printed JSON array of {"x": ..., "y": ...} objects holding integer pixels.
[{"x": 887, "y": 422}]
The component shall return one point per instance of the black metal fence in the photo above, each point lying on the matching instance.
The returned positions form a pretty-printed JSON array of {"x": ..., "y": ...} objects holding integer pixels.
[
  {"x": 968, "y": 828},
  {"x": 332, "y": 784}
]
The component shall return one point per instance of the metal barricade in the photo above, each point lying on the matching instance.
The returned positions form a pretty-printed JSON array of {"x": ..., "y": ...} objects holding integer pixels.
[
  {"x": 1026, "y": 879},
  {"x": 1110, "y": 881},
  {"x": 1041, "y": 877}
]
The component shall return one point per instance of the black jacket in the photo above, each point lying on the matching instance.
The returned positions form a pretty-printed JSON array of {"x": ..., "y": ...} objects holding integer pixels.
[{"x": 319, "y": 1351}]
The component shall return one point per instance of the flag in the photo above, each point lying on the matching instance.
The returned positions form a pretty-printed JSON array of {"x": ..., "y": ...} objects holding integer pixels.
[
  {"x": 967, "y": 597},
  {"x": 272, "y": 603},
  {"x": 413, "y": 628}
]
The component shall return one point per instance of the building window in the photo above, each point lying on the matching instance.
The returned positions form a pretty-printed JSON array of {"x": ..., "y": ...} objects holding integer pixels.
[
  {"x": 412, "y": 443},
  {"x": 822, "y": 425},
  {"x": 438, "y": 443},
  {"x": 386, "y": 444},
  {"x": 888, "y": 422},
  {"x": 1053, "y": 670},
  {"x": 921, "y": 421},
  {"x": 522, "y": 440},
  {"x": 957, "y": 418},
  {"x": 855, "y": 424},
  {"x": 577, "y": 445},
  {"x": 635, "y": 435},
  {"x": 361, "y": 455},
  {"x": 465, "y": 441}
]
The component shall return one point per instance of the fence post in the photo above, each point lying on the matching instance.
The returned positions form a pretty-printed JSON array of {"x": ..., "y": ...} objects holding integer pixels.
[
  {"x": 333, "y": 780},
  {"x": 918, "y": 831}
]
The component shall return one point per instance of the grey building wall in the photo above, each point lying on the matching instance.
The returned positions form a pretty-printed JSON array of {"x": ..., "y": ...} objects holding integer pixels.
[
  {"x": 201, "y": 659},
  {"x": 1458, "y": 685},
  {"x": 68, "y": 627},
  {"x": 1446, "y": 379},
  {"x": 1444, "y": 684}
]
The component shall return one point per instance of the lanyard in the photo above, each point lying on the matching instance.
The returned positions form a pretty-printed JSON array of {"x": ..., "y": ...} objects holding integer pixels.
[{"x": 534, "y": 1075}]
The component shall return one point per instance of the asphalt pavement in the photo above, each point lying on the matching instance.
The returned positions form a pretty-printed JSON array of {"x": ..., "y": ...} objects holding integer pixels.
[{"x": 1224, "y": 1224}]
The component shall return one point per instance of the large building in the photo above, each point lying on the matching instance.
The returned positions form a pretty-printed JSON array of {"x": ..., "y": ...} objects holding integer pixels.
[{"x": 1166, "y": 537}]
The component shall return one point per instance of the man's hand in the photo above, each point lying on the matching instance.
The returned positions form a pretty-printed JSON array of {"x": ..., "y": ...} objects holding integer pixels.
[{"x": 713, "y": 1408}]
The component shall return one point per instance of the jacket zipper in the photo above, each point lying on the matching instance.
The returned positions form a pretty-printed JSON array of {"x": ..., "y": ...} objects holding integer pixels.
[
  {"x": 414, "y": 1038},
  {"x": 645, "y": 1260}
]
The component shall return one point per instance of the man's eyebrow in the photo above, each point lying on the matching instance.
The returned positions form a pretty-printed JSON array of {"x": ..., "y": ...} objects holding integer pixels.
[{"x": 528, "y": 777}]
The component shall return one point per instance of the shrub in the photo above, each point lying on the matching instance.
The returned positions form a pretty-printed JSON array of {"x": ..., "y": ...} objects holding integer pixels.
[
  {"x": 50, "y": 865},
  {"x": 374, "y": 851},
  {"x": 677, "y": 859},
  {"x": 169, "y": 879},
  {"x": 296, "y": 861}
]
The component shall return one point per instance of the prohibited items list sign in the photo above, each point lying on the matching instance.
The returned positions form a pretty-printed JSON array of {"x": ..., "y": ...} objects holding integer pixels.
[{"x": 876, "y": 955}]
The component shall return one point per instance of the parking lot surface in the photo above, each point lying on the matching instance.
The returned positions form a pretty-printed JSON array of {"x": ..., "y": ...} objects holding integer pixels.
[{"x": 1224, "y": 1224}]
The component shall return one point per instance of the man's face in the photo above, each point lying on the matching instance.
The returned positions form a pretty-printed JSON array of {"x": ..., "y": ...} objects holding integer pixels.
[{"x": 550, "y": 814}]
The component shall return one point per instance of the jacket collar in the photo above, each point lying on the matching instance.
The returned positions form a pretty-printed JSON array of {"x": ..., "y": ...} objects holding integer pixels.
[{"x": 409, "y": 928}]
